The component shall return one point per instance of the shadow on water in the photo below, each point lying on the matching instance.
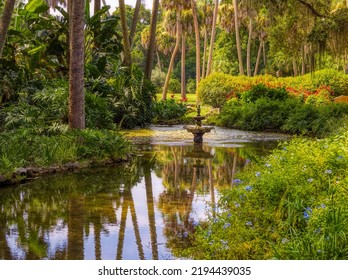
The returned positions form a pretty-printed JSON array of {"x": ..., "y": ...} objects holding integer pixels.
[{"x": 146, "y": 209}]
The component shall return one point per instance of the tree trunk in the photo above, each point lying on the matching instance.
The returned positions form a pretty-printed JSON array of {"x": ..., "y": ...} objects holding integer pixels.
[
  {"x": 176, "y": 48},
  {"x": 97, "y": 6},
  {"x": 134, "y": 21},
  {"x": 183, "y": 66},
  {"x": 249, "y": 48},
  {"x": 159, "y": 61},
  {"x": 76, "y": 68},
  {"x": 212, "y": 38},
  {"x": 152, "y": 43},
  {"x": 204, "y": 51},
  {"x": 238, "y": 44},
  {"x": 264, "y": 53},
  {"x": 198, "y": 43},
  {"x": 258, "y": 59},
  {"x": 303, "y": 56},
  {"x": 294, "y": 65},
  {"x": 127, "y": 56},
  {"x": 5, "y": 23}
]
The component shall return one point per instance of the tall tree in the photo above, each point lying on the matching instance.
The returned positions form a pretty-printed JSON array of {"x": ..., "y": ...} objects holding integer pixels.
[
  {"x": 76, "y": 68},
  {"x": 134, "y": 21},
  {"x": 212, "y": 38},
  {"x": 152, "y": 43},
  {"x": 198, "y": 43},
  {"x": 238, "y": 43},
  {"x": 127, "y": 55},
  {"x": 172, "y": 59},
  {"x": 5, "y": 22}
]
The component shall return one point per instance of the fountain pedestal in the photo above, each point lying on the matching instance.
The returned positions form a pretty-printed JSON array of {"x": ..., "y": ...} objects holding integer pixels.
[{"x": 198, "y": 130}]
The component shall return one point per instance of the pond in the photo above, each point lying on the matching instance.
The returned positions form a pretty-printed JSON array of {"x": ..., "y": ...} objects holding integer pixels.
[{"x": 144, "y": 209}]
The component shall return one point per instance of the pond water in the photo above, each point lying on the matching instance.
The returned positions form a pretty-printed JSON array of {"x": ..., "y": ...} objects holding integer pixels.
[{"x": 145, "y": 209}]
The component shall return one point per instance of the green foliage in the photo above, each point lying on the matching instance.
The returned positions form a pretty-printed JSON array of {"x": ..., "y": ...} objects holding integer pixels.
[
  {"x": 174, "y": 85},
  {"x": 132, "y": 99},
  {"x": 168, "y": 110},
  {"x": 261, "y": 91},
  {"x": 290, "y": 115},
  {"x": 215, "y": 89},
  {"x": 290, "y": 205},
  {"x": 158, "y": 78},
  {"x": 25, "y": 148}
]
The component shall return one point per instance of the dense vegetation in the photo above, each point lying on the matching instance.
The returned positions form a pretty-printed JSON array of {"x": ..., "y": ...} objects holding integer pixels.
[{"x": 289, "y": 205}]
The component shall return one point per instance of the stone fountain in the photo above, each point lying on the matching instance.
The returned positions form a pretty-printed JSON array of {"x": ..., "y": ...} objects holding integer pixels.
[{"x": 198, "y": 130}]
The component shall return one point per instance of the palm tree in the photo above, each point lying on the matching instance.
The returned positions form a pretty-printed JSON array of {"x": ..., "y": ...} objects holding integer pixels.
[
  {"x": 152, "y": 41},
  {"x": 198, "y": 44},
  {"x": 5, "y": 22},
  {"x": 76, "y": 68},
  {"x": 134, "y": 21},
  {"x": 171, "y": 63},
  {"x": 127, "y": 56},
  {"x": 238, "y": 43},
  {"x": 212, "y": 38}
]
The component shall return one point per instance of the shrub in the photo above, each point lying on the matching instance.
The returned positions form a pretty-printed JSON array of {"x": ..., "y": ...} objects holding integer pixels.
[
  {"x": 261, "y": 91},
  {"x": 174, "y": 85},
  {"x": 215, "y": 89},
  {"x": 166, "y": 110},
  {"x": 290, "y": 115}
]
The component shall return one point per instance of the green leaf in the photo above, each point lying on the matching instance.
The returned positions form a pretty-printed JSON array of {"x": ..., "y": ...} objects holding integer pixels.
[
  {"x": 36, "y": 50},
  {"x": 36, "y": 6}
]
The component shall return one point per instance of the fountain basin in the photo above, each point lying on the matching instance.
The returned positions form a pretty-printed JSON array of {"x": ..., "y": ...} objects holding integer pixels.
[{"x": 198, "y": 132}]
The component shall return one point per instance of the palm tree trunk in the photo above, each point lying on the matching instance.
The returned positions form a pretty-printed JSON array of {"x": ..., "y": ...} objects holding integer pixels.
[
  {"x": 158, "y": 60},
  {"x": 264, "y": 53},
  {"x": 183, "y": 66},
  {"x": 258, "y": 59},
  {"x": 127, "y": 56},
  {"x": 303, "y": 55},
  {"x": 249, "y": 48},
  {"x": 212, "y": 38},
  {"x": 238, "y": 44},
  {"x": 171, "y": 63},
  {"x": 134, "y": 21},
  {"x": 76, "y": 68},
  {"x": 294, "y": 65},
  {"x": 204, "y": 51},
  {"x": 5, "y": 22},
  {"x": 152, "y": 43},
  {"x": 97, "y": 6},
  {"x": 198, "y": 44}
]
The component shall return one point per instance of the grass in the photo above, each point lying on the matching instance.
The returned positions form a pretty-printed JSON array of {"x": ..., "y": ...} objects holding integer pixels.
[
  {"x": 23, "y": 148},
  {"x": 291, "y": 205}
]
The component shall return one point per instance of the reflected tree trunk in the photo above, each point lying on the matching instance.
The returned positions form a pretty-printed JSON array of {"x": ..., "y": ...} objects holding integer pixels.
[
  {"x": 211, "y": 186},
  {"x": 5, "y": 251},
  {"x": 75, "y": 227},
  {"x": 151, "y": 211},
  {"x": 122, "y": 231},
  {"x": 97, "y": 239},
  {"x": 136, "y": 227}
]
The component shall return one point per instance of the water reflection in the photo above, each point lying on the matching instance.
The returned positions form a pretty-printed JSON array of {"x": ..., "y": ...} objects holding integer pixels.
[{"x": 141, "y": 210}]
